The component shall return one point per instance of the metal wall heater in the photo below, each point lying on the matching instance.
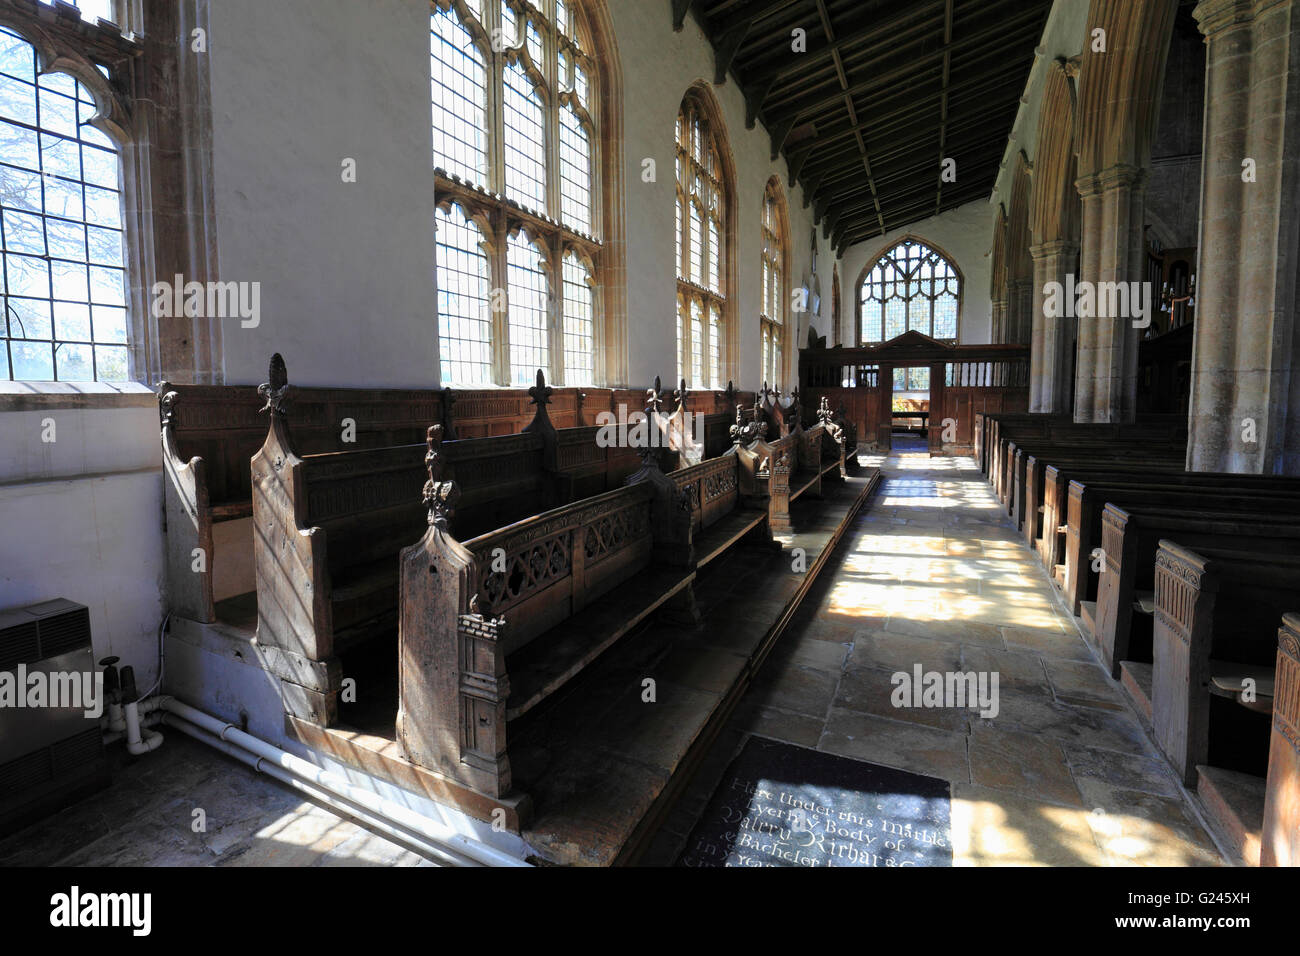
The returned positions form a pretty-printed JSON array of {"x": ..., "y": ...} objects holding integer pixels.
[{"x": 49, "y": 757}]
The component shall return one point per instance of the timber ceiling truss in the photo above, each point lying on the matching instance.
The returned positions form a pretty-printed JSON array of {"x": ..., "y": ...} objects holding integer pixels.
[{"x": 885, "y": 91}]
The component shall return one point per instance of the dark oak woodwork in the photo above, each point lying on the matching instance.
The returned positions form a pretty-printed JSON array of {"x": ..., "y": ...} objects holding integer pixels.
[
  {"x": 1280, "y": 845},
  {"x": 1194, "y": 490},
  {"x": 210, "y": 434},
  {"x": 1215, "y": 611},
  {"x": 490, "y": 628},
  {"x": 1129, "y": 541}
]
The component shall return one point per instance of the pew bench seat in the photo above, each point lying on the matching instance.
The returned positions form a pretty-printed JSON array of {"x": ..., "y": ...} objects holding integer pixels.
[
  {"x": 1135, "y": 679},
  {"x": 718, "y": 537},
  {"x": 232, "y": 510},
  {"x": 548, "y": 662},
  {"x": 364, "y": 599},
  {"x": 1228, "y": 679},
  {"x": 1216, "y": 614}
]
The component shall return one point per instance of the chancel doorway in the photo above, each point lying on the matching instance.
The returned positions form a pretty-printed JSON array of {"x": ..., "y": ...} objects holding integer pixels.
[{"x": 910, "y": 408}]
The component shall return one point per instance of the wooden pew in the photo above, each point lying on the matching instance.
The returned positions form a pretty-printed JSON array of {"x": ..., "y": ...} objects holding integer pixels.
[
  {"x": 1028, "y": 425},
  {"x": 1197, "y": 490},
  {"x": 1215, "y": 633},
  {"x": 794, "y": 462},
  {"x": 1053, "y": 428},
  {"x": 481, "y": 648},
  {"x": 1055, "y": 495},
  {"x": 1280, "y": 844},
  {"x": 1111, "y": 441},
  {"x": 1031, "y": 458},
  {"x": 209, "y": 433},
  {"x": 1032, "y": 498},
  {"x": 1121, "y": 621},
  {"x": 835, "y": 447},
  {"x": 993, "y": 422},
  {"x": 330, "y": 526}
]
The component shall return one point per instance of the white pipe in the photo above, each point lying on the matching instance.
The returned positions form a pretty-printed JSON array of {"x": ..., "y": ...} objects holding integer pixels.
[
  {"x": 262, "y": 766},
  {"x": 136, "y": 742},
  {"x": 148, "y": 720},
  {"x": 389, "y": 811},
  {"x": 115, "y": 718}
]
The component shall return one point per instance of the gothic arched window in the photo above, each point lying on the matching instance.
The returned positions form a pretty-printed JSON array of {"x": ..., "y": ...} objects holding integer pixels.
[
  {"x": 63, "y": 280},
  {"x": 701, "y": 249},
  {"x": 773, "y": 298},
  {"x": 910, "y": 287},
  {"x": 516, "y": 148}
]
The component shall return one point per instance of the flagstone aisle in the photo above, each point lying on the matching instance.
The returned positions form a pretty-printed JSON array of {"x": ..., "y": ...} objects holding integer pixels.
[{"x": 932, "y": 574}]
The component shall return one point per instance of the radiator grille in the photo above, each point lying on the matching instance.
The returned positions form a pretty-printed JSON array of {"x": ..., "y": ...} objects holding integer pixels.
[
  {"x": 25, "y": 772},
  {"x": 65, "y": 632},
  {"x": 18, "y": 645},
  {"x": 77, "y": 751}
]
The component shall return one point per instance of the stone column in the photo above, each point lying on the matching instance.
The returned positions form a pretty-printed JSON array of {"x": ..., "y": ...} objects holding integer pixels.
[
  {"x": 1020, "y": 303},
  {"x": 1052, "y": 345},
  {"x": 998, "y": 330},
  {"x": 1113, "y": 252},
  {"x": 1246, "y": 349}
]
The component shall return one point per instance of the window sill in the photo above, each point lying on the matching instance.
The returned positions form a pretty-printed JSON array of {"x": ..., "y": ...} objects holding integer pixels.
[{"x": 39, "y": 396}]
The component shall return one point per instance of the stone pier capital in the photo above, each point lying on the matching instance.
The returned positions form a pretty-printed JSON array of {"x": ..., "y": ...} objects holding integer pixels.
[
  {"x": 1119, "y": 176},
  {"x": 1218, "y": 16},
  {"x": 1053, "y": 247}
]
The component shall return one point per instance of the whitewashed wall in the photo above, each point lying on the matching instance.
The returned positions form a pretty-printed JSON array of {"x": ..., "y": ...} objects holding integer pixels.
[
  {"x": 346, "y": 269},
  {"x": 81, "y": 517}
]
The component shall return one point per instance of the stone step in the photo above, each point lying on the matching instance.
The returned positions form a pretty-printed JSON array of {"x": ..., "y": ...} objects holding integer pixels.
[
  {"x": 1135, "y": 679},
  {"x": 1234, "y": 803},
  {"x": 1088, "y": 618}
]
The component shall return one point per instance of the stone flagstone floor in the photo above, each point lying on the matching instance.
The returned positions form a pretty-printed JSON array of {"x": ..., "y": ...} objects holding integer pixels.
[
  {"x": 932, "y": 574},
  {"x": 146, "y": 818}
]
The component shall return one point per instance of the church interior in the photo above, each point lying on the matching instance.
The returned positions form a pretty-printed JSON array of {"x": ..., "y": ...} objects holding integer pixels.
[{"x": 649, "y": 433}]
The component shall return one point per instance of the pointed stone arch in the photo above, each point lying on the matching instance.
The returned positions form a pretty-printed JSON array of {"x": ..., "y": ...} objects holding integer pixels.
[
  {"x": 1119, "y": 89},
  {"x": 1119, "y": 93},
  {"x": 998, "y": 275},
  {"x": 1054, "y": 218},
  {"x": 1054, "y": 204},
  {"x": 1020, "y": 269},
  {"x": 884, "y": 253}
]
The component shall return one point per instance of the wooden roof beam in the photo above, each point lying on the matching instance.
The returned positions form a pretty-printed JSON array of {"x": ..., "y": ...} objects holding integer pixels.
[
  {"x": 724, "y": 50},
  {"x": 680, "y": 9},
  {"x": 1004, "y": 32},
  {"x": 886, "y": 32}
]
